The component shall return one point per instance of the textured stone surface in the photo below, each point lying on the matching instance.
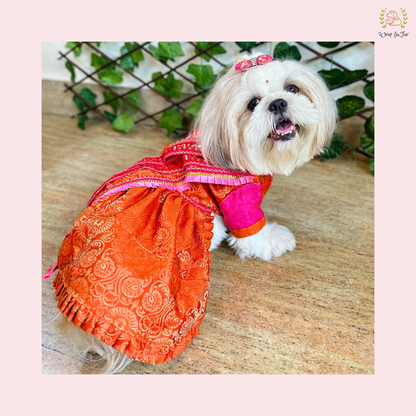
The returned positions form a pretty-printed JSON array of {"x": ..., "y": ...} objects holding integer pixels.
[{"x": 310, "y": 311}]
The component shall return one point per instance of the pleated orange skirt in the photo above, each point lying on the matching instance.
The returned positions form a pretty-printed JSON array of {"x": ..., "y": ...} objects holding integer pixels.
[{"x": 134, "y": 272}]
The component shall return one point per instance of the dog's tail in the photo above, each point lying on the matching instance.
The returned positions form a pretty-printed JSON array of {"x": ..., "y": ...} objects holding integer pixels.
[{"x": 93, "y": 352}]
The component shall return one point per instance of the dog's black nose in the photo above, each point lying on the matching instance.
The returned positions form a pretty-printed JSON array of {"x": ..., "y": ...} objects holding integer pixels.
[{"x": 278, "y": 106}]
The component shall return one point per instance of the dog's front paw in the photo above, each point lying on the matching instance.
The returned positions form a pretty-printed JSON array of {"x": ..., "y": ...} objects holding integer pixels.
[{"x": 272, "y": 241}]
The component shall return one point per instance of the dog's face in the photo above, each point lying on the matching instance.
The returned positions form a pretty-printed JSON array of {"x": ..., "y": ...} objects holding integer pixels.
[{"x": 269, "y": 119}]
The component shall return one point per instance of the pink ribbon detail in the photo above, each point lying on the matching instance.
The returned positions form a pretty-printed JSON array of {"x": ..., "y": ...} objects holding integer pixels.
[
  {"x": 249, "y": 63},
  {"x": 50, "y": 271}
]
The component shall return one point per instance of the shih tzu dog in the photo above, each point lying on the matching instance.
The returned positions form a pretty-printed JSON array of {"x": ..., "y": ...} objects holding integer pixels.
[{"x": 134, "y": 269}]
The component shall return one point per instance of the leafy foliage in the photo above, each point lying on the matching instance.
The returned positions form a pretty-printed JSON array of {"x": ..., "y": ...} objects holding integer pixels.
[
  {"x": 71, "y": 69},
  {"x": 367, "y": 138},
  {"x": 108, "y": 75},
  {"x": 328, "y": 44},
  {"x": 110, "y": 116},
  {"x": 132, "y": 60},
  {"x": 115, "y": 104},
  {"x": 204, "y": 75},
  {"x": 284, "y": 51},
  {"x": 369, "y": 90},
  {"x": 349, "y": 105},
  {"x": 336, "y": 77},
  {"x": 383, "y": 11},
  {"x": 171, "y": 119},
  {"x": 77, "y": 50},
  {"x": 88, "y": 96},
  {"x": 367, "y": 143},
  {"x": 216, "y": 50},
  {"x": 404, "y": 18},
  {"x": 371, "y": 165},
  {"x": 133, "y": 98},
  {"x": 82, "y": 118},
  {"x": 194, "y": 108},
  {"x": 168, "y": 85},
  {"x": 335, "y": 148},
  {"x": 246, "y": 46},
  {"x": 123, "y": 123},
  {"x": 369, "y": 126},
  {"x": 167, "y": 50}
]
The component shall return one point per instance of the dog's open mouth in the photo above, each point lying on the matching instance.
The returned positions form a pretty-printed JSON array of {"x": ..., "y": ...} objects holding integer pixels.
[{"x": 284, "y": 130}]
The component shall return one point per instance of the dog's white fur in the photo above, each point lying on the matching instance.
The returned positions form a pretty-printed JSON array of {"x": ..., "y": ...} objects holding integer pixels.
[{"x": 234, "y": 137}]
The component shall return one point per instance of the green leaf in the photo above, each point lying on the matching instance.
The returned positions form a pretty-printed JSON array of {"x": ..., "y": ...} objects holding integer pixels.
[
  {"x": 134, "y": 98},
  {"x": 110, "y": 76},
  {"x": 204, "y": 75},
  {"x": 284, "y": 51},
  {"x": 214, "y": 51},
  {"x": 369, "y": 90},
  {"x": 82, "y": 118},
  {"x": 171, "y": 119},
  {"x": 123, "y": 122},
  {"x": 77, "y": 50},
  {"x": 115, "y": 104},
  {"x": 367, "y": 143},
  {"x": 167, "y": 50},
  {"x": 71, "y": 69},
  {"x": 328, "y": 44},
  {"x": 79, "y": 103},
  {"x": 132, "y": 60},
  {"x": 246, "y": 46},
  {"x": 369, "y": 126},
  {"x": 194, "y": 108},
  {"x": 127, "y": 61},
  {"x": 367, "y": 138},
  {"x": 371, "y": 165},
  {"x": 156, "y": 55},
  {"x": 98, "y": 61},
  {"x": 168, "y": 85},
  {"x": 110, "y": 116},
  {"x": 335, "y": 148},
  {"x": 336, "y": 77},
  {"x": 349, "y": 105},
  {"x": 88, "y": 95},
  {"x": 170, "y": 50}
]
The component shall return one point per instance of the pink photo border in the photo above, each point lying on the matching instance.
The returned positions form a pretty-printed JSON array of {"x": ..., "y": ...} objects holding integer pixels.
[{"x": 388, "y": 391}]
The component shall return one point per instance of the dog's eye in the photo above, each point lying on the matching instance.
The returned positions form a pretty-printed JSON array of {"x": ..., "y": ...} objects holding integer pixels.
[
  {"x": 292, "y": 88},
  {"x": 253, "y": 103}
]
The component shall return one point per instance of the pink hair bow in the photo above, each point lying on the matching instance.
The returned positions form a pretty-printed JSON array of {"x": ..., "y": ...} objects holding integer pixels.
[{"x": 250, "y": 63}]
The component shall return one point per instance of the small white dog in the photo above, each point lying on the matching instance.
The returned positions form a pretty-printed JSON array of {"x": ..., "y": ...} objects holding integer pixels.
[{"x": 268, "y": 119}]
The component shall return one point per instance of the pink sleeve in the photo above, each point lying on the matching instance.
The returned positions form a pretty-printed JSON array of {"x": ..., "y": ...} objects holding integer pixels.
[{"x": 241, "y": 210}]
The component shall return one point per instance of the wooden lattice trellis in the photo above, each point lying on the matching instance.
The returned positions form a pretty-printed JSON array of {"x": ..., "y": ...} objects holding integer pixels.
[{"x": 142, "y": 114}]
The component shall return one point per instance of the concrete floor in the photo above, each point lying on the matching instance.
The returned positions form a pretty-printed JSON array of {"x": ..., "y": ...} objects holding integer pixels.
[{"x": 310, "y": 311}]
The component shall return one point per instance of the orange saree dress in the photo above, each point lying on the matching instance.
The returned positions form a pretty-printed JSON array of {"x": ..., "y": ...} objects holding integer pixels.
[{"x": 134, "y": 268}]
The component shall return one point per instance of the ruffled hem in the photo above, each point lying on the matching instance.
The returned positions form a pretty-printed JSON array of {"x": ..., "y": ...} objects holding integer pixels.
[{"x": 91, "y": 322}]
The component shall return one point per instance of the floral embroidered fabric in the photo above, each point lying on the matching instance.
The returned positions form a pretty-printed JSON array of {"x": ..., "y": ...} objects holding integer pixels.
[{"x": 134, "y": 268}]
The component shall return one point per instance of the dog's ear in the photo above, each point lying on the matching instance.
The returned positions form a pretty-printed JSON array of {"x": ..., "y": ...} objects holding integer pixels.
[
  {"x": 327, "y": 109},
  {"x": 216, "y": 123}
]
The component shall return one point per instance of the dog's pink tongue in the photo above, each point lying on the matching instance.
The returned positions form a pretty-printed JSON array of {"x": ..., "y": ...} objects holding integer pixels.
[{"x": 284, "y": 126}]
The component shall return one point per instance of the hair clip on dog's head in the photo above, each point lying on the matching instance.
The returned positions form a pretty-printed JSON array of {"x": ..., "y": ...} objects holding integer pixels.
[{"x": 253, "y": 62}]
